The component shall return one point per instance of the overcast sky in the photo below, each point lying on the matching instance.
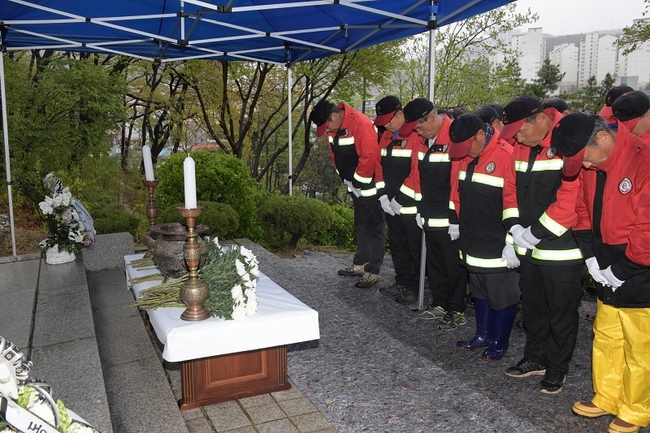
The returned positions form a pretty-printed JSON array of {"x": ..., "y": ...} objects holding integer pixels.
[{"x": 565, "y": 17}]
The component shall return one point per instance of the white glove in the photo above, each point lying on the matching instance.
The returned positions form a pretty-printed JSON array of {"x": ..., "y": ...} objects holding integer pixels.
[
  {"x": 397, "y": 208},
  {"x": 594, "y": 270},
  {"x": 523, "y": 237},
  {"x": 385, "y": 205},
  {"x": 611, "y": 280},
  {"x": 353, "y": 190},
  {"x": 454, "y": 232},
  {"x": 509, "y": 256},
  {"x": 418, "y": 219}
]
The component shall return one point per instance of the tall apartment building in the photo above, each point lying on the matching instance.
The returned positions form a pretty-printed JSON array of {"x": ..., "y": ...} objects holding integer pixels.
[
  {"x": 588, "y": 61},
  {"x": 532, "y": 49},
  {"x": 566, "y": 57}
]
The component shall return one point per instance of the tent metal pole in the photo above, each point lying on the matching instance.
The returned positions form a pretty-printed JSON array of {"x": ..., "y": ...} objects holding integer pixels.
[
  {"x": 5, "y": 137},
  {"x": 290, "y": 125},
  {"x": 423, "y": 250}
]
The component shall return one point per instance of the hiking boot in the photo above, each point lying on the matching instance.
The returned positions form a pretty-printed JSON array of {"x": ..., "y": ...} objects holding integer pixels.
[
  {"x": 452, "y": 320},
  {"x": 351, "y": 271},
  {"x": 552, "y": 383},
  {"x": 431, "y": 313},
  {"x": 393, "y": 290},
  {"x": 367, "y": 280},
  {"x": 525, "y": 368},
  {"x": 407, "y": 297}
]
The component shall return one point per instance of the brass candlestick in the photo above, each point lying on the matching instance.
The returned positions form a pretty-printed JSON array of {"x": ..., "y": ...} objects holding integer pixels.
[
  {"x": 152, "y": 212},
  {"x": 194, "y": 291},
  {"x": 152, "y": 209}
]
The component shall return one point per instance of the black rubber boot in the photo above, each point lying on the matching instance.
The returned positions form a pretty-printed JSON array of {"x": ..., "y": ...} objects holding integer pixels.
[
  {"x": 501, "y": 335},
  {"x": 484, "y": 323}
]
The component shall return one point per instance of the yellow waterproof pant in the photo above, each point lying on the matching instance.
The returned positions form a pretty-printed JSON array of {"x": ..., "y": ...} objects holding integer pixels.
[{"x": 621, "y": 362}]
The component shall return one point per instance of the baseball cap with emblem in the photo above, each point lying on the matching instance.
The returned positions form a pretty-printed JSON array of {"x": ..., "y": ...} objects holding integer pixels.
[
  {"x": 630, "y": 106},
  {"x": 516, "y": 112},
  {"x": 413, "y": 112},
  {"x": 488, "y": 113},
  {"x": 462, "y": 132},
  {"x": 558, "y": 103},
  {"x": 610, "y": 97},
  {"x": 386, "y": 108},
  {"x": 569, "y": 137},
  {"x": 320, "y": 114}
]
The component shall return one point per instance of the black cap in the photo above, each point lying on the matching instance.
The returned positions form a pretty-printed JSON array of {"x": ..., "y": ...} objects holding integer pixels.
[
  {"x": 569, "y": 137},
  {"x": 610, "y": 97},
  {"x": 320, "y": 114},
  {"x": 488, "y": 113},
  {"x": 558, "y": 103},
  {"x": 462, "y": 132},
  {"x": 631, "y": 105},
  {"x": 386, "y": 108},
  {"x": 499, "y": 109},
  {"x": 518, "y": 110},
  {"x": 414, "y": 111}
]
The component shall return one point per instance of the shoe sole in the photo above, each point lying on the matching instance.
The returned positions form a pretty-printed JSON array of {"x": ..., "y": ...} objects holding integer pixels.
[
  {"x": 613, "y": 428},
  {"x": 549, "y": 392},
  {"x": 345, "y": 274},
  {"x": 588, "y": 412},
  {"x": 364, "y": 286},
  {"x": 529, "y": 374}
]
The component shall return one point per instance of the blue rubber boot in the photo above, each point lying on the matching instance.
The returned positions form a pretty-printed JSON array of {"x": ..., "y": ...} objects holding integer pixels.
[
  {"x": 501, "y": 334},
  {"x": 484, "y": 324}
]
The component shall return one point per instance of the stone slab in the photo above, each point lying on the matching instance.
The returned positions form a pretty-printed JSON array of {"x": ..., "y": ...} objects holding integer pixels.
[{"x": 108, "y": 252}]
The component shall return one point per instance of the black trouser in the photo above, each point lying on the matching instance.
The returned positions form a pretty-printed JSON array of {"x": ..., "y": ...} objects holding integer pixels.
[
  {"x": 405, "y": 241},
  {"x": 447, "y": 278},
  {"x": 371, "y": 233},
  {"x": 550, "y": 299}
]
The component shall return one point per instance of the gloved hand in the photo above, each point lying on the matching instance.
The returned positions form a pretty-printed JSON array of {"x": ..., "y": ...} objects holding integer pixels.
[
  {"x": 454, "y": 231},
  {"x": 385, "y": 205},
  {"x": 8, "y": 386},
  {"x": 594, "y": 270},
  {"x": 509, "y": 256},
  {"x": 418, "y": 219},
  {"x": 523, "y": 237},
  {"x": 611, "y": 280},
  {"x": 397, "y": 208},
  {"x": 353, "y": 190}
]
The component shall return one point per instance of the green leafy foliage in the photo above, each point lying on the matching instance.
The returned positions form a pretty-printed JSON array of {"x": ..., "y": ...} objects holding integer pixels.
[
  {"x": 220, "y": 217},
  {"x": 287, "y": 219},
  {"x": 219, "y": 178},
  {"x": 116, "y": 221},
  {"x": 340, "y": 233}
]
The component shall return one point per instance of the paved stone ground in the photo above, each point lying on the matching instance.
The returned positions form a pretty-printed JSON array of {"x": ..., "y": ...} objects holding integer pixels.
[{"x": 377, "y": 368}]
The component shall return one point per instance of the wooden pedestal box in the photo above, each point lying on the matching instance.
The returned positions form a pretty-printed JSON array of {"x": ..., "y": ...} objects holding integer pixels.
[{"x": 233, "y": 376}]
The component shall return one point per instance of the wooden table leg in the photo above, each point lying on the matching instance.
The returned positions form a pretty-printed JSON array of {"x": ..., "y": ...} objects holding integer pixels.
[{"x": 233, "y": 376}]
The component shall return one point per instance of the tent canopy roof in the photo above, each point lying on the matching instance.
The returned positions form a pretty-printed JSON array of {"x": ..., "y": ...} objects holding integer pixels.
[{"x": 273, "y": 31}]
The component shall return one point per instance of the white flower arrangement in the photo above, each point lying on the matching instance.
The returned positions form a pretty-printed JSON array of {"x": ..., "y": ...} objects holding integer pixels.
[
  {"x": 27, "y": 403},
  {"x": 69, "y": 224},
  {"x": 231, "y": 275}
]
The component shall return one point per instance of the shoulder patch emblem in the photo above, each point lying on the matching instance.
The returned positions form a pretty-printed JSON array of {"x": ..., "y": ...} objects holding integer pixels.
[
  {"x": 490, "y": 167},
  {"x": 551, "y": 152},
  {"x": 625, "y": 186}
]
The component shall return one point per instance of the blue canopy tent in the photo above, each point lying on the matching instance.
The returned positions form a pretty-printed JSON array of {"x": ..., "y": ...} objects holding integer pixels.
[{"x": 272, "y": 31}]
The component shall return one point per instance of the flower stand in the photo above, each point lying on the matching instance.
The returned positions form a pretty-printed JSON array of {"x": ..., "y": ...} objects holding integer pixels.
[{"x": 54, "y": 257}]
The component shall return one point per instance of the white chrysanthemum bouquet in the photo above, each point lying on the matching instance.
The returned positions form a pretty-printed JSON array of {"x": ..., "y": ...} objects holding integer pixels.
[{"x": 231, "y": 275}]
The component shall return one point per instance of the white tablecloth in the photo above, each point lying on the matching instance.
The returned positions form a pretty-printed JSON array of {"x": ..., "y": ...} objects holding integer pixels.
[{"x": 280, "y": 319}]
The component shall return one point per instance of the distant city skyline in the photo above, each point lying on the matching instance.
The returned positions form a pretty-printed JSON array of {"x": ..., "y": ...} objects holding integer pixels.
[{"x": 565, "y": 17}]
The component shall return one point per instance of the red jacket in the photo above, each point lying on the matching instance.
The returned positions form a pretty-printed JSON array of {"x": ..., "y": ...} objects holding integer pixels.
[
  {"x": 477, "y": 194},
  {"x": 397, "y": 173},
  {"x": 354, "y": 150},
  {"x": 535, "y": 195},
  {"x": 622, "y": 239}
]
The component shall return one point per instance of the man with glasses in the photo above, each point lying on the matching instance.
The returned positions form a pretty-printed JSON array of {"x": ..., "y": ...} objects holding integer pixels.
[
  {"x": 354, "y": 151},
  {"x": 398, "y": 182},
  {"x": 447, "y": 279}
]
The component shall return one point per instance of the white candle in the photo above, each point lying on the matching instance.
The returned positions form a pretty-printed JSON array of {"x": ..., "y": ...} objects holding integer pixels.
[
  {"x": 189, "y": 177},
  {"x": 148, "y": 164}
]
